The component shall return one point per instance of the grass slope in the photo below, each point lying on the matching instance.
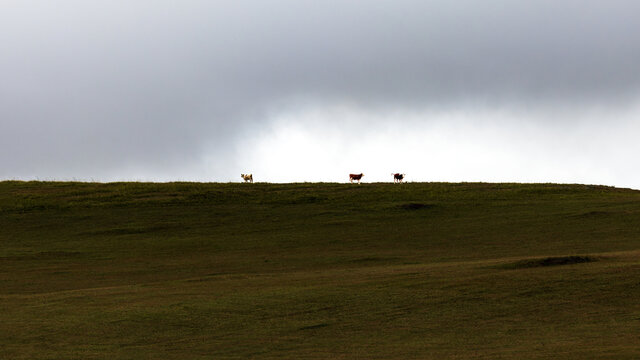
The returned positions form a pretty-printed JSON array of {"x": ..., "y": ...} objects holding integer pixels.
[{"x": 271, "y": 271}]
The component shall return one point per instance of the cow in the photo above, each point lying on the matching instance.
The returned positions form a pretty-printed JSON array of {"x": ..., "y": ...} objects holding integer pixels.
[
  {"x": 356, "y": 177},
  {"x": 247, "y": 177},
  {"x": 397, "y": 177}
]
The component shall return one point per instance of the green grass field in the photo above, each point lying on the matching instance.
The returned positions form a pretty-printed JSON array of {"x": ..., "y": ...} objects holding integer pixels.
[{"x": 318, "y": 271}]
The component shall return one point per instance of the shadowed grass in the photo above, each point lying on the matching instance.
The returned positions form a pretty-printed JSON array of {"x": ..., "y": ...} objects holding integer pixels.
[
  {"x": 550, "y": 261},
  {"x": 416, "y": 206},
  {"x": 322, "y": 271}
]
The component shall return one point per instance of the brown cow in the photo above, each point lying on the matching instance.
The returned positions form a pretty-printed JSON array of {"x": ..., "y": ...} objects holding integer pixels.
[
  {"x": 247, "y": 177},
  {"x": 356, "y": 177},
  {"x": 397, "y": 177}
]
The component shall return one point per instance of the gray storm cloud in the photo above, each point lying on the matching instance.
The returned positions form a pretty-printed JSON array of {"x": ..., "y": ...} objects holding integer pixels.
[{"x": 119, "y": 89}]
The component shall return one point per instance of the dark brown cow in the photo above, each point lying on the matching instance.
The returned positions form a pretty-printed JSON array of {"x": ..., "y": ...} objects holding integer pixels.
[
  {"x": 356, "y": 177},
  {"x": 397, "y": 177}
]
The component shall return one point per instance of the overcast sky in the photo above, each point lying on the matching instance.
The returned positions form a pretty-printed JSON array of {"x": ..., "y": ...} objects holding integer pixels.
[{"x": 297, "y": 90}]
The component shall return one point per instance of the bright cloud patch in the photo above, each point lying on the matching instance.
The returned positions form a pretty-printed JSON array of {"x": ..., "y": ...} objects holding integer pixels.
[{"x": 480, "y": 145}]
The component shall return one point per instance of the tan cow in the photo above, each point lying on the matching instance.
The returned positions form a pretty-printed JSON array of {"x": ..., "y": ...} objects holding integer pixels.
[{"x": 247, "y": 177}]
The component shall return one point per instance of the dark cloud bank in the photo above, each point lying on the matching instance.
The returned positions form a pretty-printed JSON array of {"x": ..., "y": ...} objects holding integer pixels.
[{"x": 123, "y": 90}]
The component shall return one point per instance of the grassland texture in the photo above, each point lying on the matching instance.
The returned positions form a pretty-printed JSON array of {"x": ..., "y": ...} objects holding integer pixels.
[{"x": 318, "y": 271}]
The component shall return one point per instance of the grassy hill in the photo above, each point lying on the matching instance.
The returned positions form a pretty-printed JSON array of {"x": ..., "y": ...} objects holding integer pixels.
[{"x": 326, "y": 271}]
